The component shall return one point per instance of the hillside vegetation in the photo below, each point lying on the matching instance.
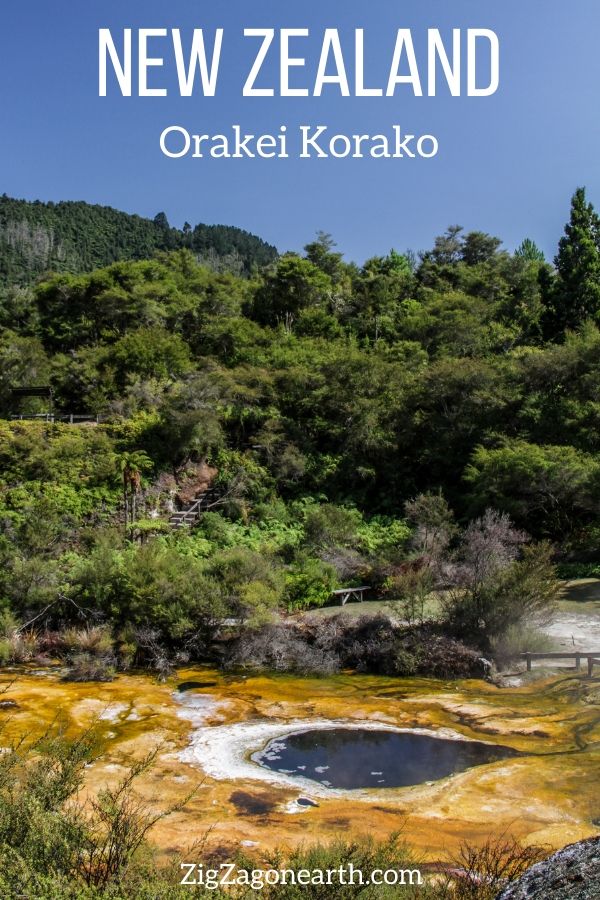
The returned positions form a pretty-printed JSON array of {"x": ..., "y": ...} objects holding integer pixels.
[
  {"x": 414, "y": 424},
  {"x": 37, "y": 238}
]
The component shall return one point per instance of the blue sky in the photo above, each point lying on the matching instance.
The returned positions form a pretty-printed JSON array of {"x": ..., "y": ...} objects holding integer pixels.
[{"x": 507, "y": 164}]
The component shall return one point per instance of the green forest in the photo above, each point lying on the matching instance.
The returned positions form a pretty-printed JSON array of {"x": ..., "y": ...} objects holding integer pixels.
[
  {"x": 37, "y": 238},
  {"x": 424, "y": 424}
]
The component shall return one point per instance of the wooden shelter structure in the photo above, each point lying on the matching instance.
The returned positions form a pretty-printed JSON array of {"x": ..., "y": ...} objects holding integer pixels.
[{"x": 43, "y": 390}]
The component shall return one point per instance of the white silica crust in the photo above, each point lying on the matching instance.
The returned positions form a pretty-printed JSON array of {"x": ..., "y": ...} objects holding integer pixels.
[{"x": 198, "y": 708}]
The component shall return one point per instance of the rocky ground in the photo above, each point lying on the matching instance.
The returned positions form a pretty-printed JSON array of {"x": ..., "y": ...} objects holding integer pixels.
[
  {"x": 575, "y": 630},
  {"x": 577, "y": 624},
  {"x": 571, "y": 874}
]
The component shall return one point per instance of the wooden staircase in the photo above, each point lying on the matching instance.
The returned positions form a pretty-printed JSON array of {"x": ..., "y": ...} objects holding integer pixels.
[{"x": 187, "y": 518}]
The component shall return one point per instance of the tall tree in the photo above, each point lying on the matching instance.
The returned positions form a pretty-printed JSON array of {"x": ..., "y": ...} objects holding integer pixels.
[
  {"x": 132, "y": 465},
  {"x": 529, "y": 251},
  {"x": 161, "y": 220},
  {"x": 478, "y": 247},
  {"x": 576, "y": 293},
  {"x": 321, "y": 253},
  {"x": 292, "y": 285}
]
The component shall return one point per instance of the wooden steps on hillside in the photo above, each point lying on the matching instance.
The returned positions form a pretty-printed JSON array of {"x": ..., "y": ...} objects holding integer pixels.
[{"x": 188, "y": 517}]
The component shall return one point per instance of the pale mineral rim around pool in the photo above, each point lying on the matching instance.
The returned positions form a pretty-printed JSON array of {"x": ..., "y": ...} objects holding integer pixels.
[{"x": 229, "y": 752}]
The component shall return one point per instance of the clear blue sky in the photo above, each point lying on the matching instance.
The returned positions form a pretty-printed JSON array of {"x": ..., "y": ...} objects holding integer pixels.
[{"x": 507, "y": 164}]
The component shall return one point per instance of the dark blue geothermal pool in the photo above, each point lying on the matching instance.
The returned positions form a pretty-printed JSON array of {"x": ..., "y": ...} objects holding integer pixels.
[{"x": 360, "y": 758}]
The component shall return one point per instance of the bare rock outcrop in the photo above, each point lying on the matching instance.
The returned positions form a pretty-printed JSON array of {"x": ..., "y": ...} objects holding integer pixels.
[
  {"x": 571, "y": 874},
  {"x": 197, "y": 478}
]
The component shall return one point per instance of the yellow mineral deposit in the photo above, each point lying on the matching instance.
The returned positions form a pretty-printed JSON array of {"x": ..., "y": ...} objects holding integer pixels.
[{"x": 207, "y": 731}]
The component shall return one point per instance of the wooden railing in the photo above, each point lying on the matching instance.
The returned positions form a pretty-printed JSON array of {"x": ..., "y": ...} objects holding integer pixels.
[
  {"x": 593, "y": 659},
  {"x": 69, "y": 418}
]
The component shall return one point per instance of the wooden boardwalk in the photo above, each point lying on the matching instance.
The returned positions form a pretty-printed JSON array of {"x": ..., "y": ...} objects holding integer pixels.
[{"x": 593, "y": 658}]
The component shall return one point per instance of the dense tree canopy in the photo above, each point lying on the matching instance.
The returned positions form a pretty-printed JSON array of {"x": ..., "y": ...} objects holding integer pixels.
[
  {"x": 322, "y": 397},
  {"x": 36, "y": 238},
  {"x": 575, "y": 296},
  {"x": 365, "y": 385}
]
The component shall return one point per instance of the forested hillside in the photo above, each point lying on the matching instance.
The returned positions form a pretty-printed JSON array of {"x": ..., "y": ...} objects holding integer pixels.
[
  {"x": 389, "y": 424},
  {"x": 36, "y": 238}
]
